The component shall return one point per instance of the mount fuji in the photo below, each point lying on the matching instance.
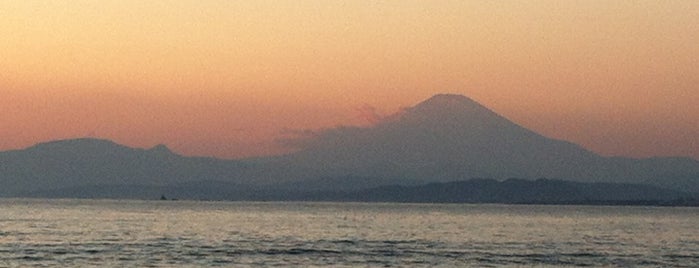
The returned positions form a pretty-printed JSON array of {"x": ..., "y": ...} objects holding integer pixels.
[{"x": 451, "y": 137}]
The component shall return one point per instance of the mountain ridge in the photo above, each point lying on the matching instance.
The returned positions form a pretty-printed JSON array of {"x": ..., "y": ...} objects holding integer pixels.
[
  {"x": 445, "y": 138},
  {"x": 510, "y": 191}
]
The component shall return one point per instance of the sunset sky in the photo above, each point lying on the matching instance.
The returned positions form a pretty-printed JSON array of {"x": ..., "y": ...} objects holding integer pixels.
[{"x": 228, "y": 78}]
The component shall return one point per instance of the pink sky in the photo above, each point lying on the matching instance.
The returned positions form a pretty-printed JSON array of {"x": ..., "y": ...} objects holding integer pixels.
[{"x": 227, "y": 78}]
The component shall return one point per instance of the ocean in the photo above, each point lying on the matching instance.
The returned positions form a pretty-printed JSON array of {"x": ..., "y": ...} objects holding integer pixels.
[{"x": 119, "y": 233}]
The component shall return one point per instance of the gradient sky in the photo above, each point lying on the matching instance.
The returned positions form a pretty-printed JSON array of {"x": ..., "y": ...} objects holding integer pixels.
[{"x": 226, "y": 78}]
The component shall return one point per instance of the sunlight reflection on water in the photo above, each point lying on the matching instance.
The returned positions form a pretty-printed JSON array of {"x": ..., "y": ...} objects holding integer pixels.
[{"x": 189, "y": 233}]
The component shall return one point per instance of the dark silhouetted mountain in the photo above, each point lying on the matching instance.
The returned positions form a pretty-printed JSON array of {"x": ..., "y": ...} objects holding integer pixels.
[
  {"x": 451, "y": 137},
  {"x": 445, "y": 138},
  {"x": 518, "y": 191},
  {"x": 80, "y": 162},
  {"x": 510, "y": 191}
]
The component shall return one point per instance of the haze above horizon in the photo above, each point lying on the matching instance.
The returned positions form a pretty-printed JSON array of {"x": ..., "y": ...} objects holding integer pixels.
[{"x": 227, "y": 79}]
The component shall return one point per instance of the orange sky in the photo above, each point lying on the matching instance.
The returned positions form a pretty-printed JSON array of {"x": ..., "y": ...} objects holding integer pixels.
[{"x": 225, "y": 78}]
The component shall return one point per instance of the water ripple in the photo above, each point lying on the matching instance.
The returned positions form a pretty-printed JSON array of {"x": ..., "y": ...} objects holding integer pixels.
[{"x": 138, "y": 234}]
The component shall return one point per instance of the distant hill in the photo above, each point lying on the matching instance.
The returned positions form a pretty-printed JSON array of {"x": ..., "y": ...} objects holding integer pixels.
[
  {"x": 510, "y": 191},
  {"x": 518, "y": 191},
  {"x": 445, "y": 138},
  {"x": 80, "y": 162}
]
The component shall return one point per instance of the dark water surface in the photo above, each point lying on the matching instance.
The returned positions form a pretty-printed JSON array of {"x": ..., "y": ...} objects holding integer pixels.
[{"x": 100, "y": 233}]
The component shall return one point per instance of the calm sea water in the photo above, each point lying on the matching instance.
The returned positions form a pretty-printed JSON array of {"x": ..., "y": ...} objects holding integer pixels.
[{"x": 102, "y": 233}]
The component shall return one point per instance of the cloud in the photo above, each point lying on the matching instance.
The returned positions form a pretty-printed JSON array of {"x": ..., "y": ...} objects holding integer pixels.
[
  {"x": 309, "y": 138},
  {"x": 296, "y": 138},
  {"x": 369, "y": 114}
]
